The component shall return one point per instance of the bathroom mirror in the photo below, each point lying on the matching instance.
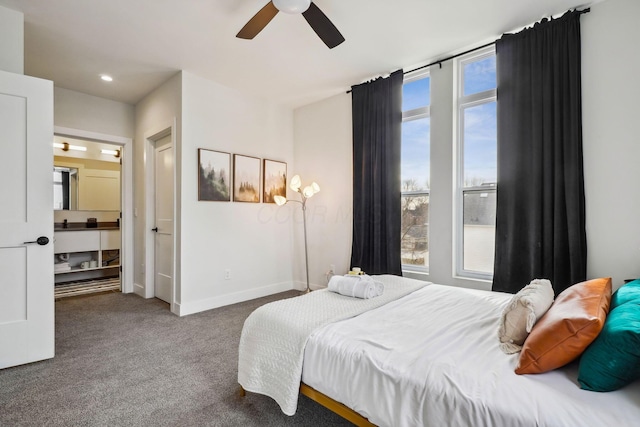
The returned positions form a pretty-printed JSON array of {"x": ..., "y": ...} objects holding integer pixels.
[
  {"x": 86, "y": 175},
  {"x": 86, "y": 185}
]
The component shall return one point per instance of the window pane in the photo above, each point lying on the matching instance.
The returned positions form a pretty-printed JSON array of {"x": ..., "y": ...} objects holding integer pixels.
[
  {"x": 479, "y": 76},
  {"x": 416, "y": 94},
  {"x": 480, "y": 145},
  {"x": 415, "y": 230},
  {"x": 479, "y": 230},
  {"x": 415, "y": 154}
]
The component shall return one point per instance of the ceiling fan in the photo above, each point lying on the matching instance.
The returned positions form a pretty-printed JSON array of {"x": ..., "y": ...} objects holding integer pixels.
[{"x": 318, "y": 21}]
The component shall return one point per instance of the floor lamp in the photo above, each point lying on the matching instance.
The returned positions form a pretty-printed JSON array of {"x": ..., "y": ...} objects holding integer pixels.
[{"x": 305, "y": 193}]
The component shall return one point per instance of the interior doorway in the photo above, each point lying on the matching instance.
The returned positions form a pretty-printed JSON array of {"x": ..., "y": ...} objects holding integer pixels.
[
  {"x": 102, "y": 245},
  {"x": 87, "y": 201}
]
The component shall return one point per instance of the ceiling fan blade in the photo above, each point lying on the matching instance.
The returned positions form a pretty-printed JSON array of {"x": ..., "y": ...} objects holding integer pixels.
[
  {"x": 258, "y": 22},
  {"x": 323, "y": 26}
]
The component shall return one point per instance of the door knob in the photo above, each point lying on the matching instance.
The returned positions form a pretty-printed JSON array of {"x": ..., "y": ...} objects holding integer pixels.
[
  {"x": 42, "y": 240},
  {"x": 155, "y": 229}
]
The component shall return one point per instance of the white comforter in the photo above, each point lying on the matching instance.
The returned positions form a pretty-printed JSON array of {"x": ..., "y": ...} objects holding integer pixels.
[
  {"x": 432, "y": 358},
  {"x": 274, "y": 336}
]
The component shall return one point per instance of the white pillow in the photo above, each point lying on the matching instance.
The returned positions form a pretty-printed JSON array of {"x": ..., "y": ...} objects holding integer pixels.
[{"x": 522, "y": 312}]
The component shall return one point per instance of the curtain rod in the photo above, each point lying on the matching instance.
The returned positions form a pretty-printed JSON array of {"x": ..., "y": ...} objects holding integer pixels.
[{"x": 440, "y": 61}]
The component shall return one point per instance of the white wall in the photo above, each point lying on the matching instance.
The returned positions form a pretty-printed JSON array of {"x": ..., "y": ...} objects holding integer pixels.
[
  {"x": 249, "y": 239},
  {"x": 323, "y": 153},
  {"x": 611, "y": 153},
  {"x": 610, "y": 88},
  {"x": 11, "y": 41},
  {"x": 78, "y": 110}
]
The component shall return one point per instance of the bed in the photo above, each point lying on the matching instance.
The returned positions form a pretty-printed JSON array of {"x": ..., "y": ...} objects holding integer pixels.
[{"x": 427, "y": 355}]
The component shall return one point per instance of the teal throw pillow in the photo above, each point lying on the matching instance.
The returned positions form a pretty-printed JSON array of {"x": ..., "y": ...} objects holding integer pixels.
[
  {"x": 613, "y": 359},
  {"x": 629, "y": 292}
]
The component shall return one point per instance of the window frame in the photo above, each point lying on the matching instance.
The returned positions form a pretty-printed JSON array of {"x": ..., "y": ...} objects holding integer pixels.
[
  {"x": 407, "y": 116},
  {"x": 461, "y": 103}
]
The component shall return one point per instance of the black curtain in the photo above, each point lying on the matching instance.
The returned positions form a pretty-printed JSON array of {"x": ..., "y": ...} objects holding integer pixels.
[
  {"x": 540, "y": 213},
  {"x": 377, "y": 121}
]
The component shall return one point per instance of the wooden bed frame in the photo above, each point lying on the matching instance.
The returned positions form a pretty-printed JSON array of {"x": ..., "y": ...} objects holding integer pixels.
[{"x": 336, "y": 407}]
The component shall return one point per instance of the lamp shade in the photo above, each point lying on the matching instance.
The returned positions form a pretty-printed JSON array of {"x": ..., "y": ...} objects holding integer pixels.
[
  {"x": 295, "y": 183},
  {"x": 279, "y": 200},
  {"x": 308, "y": 191},
  {"x": 315, "y": 187},
  {"x": 292, "y": 6}
]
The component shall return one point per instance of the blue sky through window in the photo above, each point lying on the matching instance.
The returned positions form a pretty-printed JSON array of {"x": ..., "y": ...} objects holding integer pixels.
[
  {"x": 416, "y": 94},
  {"x": 480, "y": 146},
  {"x": 480, "y": 132},
  {"x": 480, "y": 149},
  {"x": 416, "y": 153},
  {"x": 479, "y": 76},
  {"x": 416, "y": 136}
]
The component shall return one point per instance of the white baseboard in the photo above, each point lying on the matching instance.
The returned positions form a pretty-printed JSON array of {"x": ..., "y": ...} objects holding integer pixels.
[
  {"x": 175, "y": 308},
  {"x": 138, "y": 289},
  {"x": 302, "y": 286},
  {"x": 187, "y": 308}
]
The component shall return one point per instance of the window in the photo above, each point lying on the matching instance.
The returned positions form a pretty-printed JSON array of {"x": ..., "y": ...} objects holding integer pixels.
[
  {"x": 416, "y": 126},
  {"x": 477, "y": 164}
]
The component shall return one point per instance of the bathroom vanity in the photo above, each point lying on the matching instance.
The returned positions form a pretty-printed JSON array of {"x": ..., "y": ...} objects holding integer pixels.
[{"x": 85, "y": 253}]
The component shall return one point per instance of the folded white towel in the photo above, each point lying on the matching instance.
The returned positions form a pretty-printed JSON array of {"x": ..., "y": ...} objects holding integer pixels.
[
  {"x": 361, "y": 286},
  {"x": 58, "y": 268}
]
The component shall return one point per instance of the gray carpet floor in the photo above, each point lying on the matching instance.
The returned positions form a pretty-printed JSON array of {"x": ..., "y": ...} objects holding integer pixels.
[{"x": 122, "y": 360}]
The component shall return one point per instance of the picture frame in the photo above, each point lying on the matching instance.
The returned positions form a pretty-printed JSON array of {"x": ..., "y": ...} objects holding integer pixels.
[
  {"x": 246, "y": 179},
  {"x": 214, "y": 168},
  {"x": 274, "y": 180}
]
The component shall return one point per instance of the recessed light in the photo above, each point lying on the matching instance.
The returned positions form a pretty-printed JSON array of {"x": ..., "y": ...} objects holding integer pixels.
[{"x": 106, "y": 78}]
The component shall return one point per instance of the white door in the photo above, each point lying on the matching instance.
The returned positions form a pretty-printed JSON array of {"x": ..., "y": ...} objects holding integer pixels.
[
  {"x": 26, "y": 215},
  {"x": 164, "y": 219}
]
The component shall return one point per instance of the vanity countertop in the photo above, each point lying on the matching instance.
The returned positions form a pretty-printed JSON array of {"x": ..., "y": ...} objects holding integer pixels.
[{"x": 82, "y": 226}]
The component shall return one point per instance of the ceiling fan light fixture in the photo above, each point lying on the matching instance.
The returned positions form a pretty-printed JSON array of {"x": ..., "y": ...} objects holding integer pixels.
[
  {"x": 316, "y": 19},
  {"x": 292, "y": 6}
]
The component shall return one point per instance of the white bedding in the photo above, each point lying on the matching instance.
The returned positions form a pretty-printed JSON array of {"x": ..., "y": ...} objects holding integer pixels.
[
  {"x": 274, "y": 336},
  {"x": 432, "y": 358}
]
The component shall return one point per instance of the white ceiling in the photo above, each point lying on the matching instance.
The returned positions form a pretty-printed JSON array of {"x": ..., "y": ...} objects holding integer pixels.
[{"x": 142, "y": 43}]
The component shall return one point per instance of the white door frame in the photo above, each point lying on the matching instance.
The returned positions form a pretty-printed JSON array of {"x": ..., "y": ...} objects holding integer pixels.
[
  {"x": 126, "y": 222},
  {"x": 150, "y": 138}
]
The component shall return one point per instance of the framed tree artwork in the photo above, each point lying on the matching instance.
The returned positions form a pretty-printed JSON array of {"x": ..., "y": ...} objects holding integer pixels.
[
  {"x": 246, "y": 179},
  {"x": 274, "y": 180},
  {"x": 214, "y": 175}
]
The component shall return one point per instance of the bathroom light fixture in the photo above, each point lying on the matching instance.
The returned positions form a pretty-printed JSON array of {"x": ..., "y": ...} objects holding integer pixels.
[
  {"x": 115, "y": 153},
  {"x": 65, "y": 146},
  {"x": 106, "y": 77},
  {"x": 306, "y": 193}
]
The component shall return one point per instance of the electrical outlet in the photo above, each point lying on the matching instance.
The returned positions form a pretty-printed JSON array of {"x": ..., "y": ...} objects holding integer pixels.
[{"x": 227, "y": 274}]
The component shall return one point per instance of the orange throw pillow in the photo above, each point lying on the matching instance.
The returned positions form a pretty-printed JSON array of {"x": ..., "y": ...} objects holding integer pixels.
[{"x": 574, "y": 320}]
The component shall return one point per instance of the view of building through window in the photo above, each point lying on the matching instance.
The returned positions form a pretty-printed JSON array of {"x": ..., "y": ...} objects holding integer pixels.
[{"x": 415, "y": 167}]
